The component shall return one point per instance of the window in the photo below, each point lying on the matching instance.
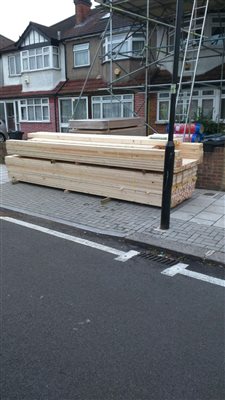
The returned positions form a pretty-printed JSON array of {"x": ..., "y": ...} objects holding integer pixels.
[
  {"x": 163, "y": 106},
  {"x": 40, "y": 58},
  {"x": 14, "y": 65},
  {"x": 123, "y": 47},
  {"x": 218, "y": 26},
  {"x": 72, "y": 108},
  {"x": 203, "y": 101},
  {"x": 218, "y": 30},
  {"x": 120, "y": 106},
  {"x": 34, "y": 110},
  {"x": 81, "y": 55}
]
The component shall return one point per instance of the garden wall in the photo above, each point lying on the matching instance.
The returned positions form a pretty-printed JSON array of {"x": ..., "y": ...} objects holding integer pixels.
[{"x": 211, "y": 173}]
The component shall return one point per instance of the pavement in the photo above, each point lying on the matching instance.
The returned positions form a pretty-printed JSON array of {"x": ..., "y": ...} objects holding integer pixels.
[{"x": 197, "y": 226}]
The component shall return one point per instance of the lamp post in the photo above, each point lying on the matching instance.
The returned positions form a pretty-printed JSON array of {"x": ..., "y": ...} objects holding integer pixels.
[{"x": 169, "y": 150}]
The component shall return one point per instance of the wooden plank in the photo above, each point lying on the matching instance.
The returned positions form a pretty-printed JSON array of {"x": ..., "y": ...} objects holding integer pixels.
[
  {"x": 137, "y": 186},
  {"x": 87, "y": 137},
  {"x": 192, "y": 151},
  {"x": 133, "y": 157}
]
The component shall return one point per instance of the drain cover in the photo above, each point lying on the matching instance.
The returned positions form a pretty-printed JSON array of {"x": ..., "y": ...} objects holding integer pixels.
[
  {"x": 209, "y": 194},
  {"x": 160, "y": 258}
]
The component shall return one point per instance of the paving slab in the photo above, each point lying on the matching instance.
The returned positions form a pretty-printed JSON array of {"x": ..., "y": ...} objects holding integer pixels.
[{"x": 196, "y": 228}]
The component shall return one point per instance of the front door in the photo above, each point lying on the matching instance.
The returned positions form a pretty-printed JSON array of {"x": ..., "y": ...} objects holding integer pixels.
[{"x": 10, "y": 116}]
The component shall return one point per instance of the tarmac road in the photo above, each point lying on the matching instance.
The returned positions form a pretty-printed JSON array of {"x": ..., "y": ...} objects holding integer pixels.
[{"x": 77, "y": 323}]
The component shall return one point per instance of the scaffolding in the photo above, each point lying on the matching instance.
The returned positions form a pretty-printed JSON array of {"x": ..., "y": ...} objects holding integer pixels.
[{"x": 147, "y": 18}]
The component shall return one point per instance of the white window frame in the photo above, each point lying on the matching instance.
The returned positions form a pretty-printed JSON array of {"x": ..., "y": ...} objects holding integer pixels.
[
  {"x": 217, "y": 22},
  {"x": 198, "y": 95},
  {"x": 81, "y": 48},
  {"x": 65, "y": 125},
  {"x": 123, "y": 100},
  {"x": 39, "y": 53},
  {"x": 34, "y": 103},
  {"x": 13, "y": 59},
  {"x": 161, "y": 98},
  {"x": 122, "y": 46}
]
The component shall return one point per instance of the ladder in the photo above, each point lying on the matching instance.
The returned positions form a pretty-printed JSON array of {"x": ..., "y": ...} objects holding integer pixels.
[{"x": 190, "y": 59}]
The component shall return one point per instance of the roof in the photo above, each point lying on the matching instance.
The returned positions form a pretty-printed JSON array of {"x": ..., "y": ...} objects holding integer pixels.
[
  {"x": 15, "y": 91},
  {"x": 96, "y": 23},
  {"x": 5, "y": 42},
  {"x": 76, "y": 86}
]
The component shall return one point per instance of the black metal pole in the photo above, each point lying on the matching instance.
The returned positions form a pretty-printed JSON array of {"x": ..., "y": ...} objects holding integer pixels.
[{"x": 169, "y": 150}]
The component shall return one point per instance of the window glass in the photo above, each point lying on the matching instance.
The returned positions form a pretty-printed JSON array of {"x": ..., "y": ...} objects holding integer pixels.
[
  {"x": 23, "y": 113},
  {"x": 12, "y": 69},
  {"x": 96, "y": 111},
  {"x": 14, "y": 64},
  {"x": 39, "y": 62},
  {"x": 38, "y": 113},
  {"x": 79, "y": 109},
  {"x": 138, "y": 48},
  {"x": 81, "y": 55},
  {"x": 194, "y": 109},
  {"x": 163, "y": 110},
  {"x": 127, "y": 110},
  {"x": 207, "y": 108},
  {"x": 65, "y": 110},
  {"x": 18, "y": 64},
  {"x": 45, "y": 113},
  {"x": 31, "y": 113}
]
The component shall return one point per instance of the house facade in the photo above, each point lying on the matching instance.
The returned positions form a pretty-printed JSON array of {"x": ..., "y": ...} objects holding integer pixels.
[{"x": 98, "y": 65}]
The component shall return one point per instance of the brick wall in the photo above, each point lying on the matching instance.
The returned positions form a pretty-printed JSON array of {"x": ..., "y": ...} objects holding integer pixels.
[
  {"x": 139, "y": 104},
  {"x": 51, "y": 126},
  {"x": 211, "y": 173}
]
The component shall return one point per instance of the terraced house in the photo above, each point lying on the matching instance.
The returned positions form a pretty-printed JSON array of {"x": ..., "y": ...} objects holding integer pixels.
[{"x": 115, "y": 60}]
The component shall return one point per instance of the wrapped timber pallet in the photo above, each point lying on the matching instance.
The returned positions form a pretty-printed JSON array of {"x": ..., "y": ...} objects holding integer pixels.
[
  {"x": 128, "y": 169},
  {"x": 111, "y": 126}
]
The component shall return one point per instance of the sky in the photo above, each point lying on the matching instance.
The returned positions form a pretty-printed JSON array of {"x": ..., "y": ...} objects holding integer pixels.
[{"x": 16, "y": 14}]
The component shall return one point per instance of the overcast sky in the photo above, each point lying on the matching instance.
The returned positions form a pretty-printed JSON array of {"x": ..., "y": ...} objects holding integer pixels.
[{"x": 15, "y": 15}]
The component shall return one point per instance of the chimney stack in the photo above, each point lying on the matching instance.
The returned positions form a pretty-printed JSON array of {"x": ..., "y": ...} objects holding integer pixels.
[{"x": 82, "y": 9}]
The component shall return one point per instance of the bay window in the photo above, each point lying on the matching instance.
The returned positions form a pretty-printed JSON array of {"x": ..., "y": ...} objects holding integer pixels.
[
  {"x": 40, "y": 58},
  {"x": 122, "y": 46}
]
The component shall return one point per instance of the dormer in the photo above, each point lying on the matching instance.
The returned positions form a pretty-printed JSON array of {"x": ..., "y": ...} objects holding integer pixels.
[{"x": 38, "y": 48}]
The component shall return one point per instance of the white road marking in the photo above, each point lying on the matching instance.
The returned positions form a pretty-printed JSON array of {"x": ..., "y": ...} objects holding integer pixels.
[
  {"x": 121, "y": 255},
  {"x": 180, "y": 268}
]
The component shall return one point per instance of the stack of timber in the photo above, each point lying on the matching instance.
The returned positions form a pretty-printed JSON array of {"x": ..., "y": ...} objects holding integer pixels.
[
  {"x": 126, "y": 168},
  {"x": 111, "y": 126}
]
